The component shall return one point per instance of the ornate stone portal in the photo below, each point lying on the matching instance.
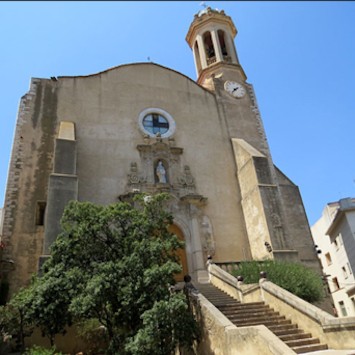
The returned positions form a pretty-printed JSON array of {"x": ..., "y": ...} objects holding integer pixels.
[{"x": 161, "y": 170}]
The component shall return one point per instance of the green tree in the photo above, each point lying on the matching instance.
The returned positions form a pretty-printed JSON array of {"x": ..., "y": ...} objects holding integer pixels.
[
  {"x": 49, "y": 300},
  {"x": 115, "y": 264},
  {"x": 14, "y": 323},
  {"x": 165, "y": 326}
]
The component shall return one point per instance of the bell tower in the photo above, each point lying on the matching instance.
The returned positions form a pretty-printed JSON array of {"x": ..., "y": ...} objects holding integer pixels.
[{"x": 211, "y": 38}]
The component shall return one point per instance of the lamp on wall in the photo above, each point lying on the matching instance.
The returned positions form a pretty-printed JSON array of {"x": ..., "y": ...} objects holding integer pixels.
[
  {"x": 317, "y": 250},
  {"x": 268, "y": 247}
]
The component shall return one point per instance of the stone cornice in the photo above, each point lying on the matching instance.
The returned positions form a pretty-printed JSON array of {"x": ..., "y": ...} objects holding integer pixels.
[{"x": 213, "y": 68}]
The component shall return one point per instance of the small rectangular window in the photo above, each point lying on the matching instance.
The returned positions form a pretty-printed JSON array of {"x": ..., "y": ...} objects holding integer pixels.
[
  {"x": 343, "y": 309},
  {"x": 345, "y": 273},
  {"x": 349, "y": 268},
  {"x": 40, "y": 211},
  {"x": 328, "y": 259},
  {"x": 340, "y": 239},
  {"x": 335, "y": 284}
]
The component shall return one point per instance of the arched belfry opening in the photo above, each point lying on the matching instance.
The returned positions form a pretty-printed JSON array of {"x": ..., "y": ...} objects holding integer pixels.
[
  {"x": 223, "y": 45},
  {"x": 209, "y": 48}
]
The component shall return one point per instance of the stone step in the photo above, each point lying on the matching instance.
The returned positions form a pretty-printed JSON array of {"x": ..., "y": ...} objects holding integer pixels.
[
  {"x": 300, "y": 342},
  {"x": 220, "y": 304},
  {"x": 221, "y": 299},
  {"x": 309, "y": 348},
  {"x": 212, "y": 292},
  {"x": 257, "y": 313},
  {"x": 259, "y": 319},
  {"x": 250, "y": 313},
  {"x": 283, "y": 328},
  {"x": 267, "y": 323},
  {"x": 244, "y": 307},
  {"x": 297, "y": 334},
  {"x": 252, "y": 305},
  {"x": 224, "y": 303}
]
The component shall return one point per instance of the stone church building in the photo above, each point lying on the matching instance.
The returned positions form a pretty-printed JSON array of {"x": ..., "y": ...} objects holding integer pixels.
[{"x": 144, "y": 127}]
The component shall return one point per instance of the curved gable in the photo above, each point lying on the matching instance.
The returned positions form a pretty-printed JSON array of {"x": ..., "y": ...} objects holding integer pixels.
[{"x": 134, "y": 67}]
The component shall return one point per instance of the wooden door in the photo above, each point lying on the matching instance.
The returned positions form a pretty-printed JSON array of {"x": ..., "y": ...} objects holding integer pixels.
[{"x": 181, "y": 253}]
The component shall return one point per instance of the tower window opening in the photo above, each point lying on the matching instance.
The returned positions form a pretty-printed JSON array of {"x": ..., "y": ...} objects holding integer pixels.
[
  {"x": 40, "y": 211},
  {"x": 210, "y": 52},
  {"x": 222, "y": 43},
  {"x": 197, "y": 56}
]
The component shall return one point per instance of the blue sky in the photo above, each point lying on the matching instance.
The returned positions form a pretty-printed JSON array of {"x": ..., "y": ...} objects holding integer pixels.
[{"x": 300, "y": 57}]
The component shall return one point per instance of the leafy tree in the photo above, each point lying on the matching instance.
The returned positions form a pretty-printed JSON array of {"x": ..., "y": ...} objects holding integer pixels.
[
  {"x": 14, "y": 324},
  {"x": 49, "y": 299},
  {"x": 165, "y": 326},
  {"x": 293, "y": 277},
  {"x": 114, "y": 264}
]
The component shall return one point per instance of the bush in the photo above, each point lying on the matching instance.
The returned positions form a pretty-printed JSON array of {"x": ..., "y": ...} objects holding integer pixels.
[
  {"x": 39, "y": 350},
  {"x": 293, "y": 277},
  {"x": 94, "y": 335}
]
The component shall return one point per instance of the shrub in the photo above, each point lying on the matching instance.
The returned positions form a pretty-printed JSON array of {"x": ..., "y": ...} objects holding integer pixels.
[
  {"x": 94, "y": 335},
  {"x": 293, "y": 277},
  {"x": 39, "y": 350}
]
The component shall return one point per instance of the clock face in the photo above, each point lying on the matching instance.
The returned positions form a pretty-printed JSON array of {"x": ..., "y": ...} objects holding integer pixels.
[{"x": 235, "y": 89}]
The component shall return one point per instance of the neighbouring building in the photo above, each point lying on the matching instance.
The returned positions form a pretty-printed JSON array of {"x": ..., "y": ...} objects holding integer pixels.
[
  {"x": 144, "y": 127},
  {"x": 334, "y": 235}
]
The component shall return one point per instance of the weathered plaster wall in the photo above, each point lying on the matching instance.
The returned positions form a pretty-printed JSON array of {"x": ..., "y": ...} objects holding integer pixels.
[
  {"x": 105, "y": 109},
  {"x": 30, "y": 166}
]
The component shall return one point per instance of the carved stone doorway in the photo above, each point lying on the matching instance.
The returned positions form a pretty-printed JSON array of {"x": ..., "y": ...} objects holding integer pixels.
[{"x": 181, "y": 253}]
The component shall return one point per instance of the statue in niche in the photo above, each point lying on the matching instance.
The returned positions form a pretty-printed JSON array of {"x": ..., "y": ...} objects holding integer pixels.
[{"x": 161, "y": 173}]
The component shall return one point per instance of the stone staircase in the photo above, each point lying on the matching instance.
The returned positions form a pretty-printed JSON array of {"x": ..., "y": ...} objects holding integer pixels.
[{"x": 257, "y": 313}]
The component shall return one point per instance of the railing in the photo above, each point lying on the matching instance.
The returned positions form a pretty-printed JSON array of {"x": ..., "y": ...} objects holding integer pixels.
[
  {"x": 228, "y": 266},
  {"x": 211, "y": 60}
]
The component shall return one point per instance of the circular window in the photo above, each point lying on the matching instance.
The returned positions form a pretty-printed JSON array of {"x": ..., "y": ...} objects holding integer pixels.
[
  {"x": 154, "y": 120},
  {"x": 155, "y": 123}
]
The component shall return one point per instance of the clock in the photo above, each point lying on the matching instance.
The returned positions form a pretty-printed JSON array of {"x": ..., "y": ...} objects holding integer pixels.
[{"x": 235, "y": 89}]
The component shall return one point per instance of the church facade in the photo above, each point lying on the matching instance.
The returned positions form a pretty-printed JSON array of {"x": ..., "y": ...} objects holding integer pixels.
[{"x": 143, "y": 127}]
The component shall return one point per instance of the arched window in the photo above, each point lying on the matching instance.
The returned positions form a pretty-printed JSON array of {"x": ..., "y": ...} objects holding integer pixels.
[
  {"x": 222, "y": 42},
  {"x": 207, "y": 40}
]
